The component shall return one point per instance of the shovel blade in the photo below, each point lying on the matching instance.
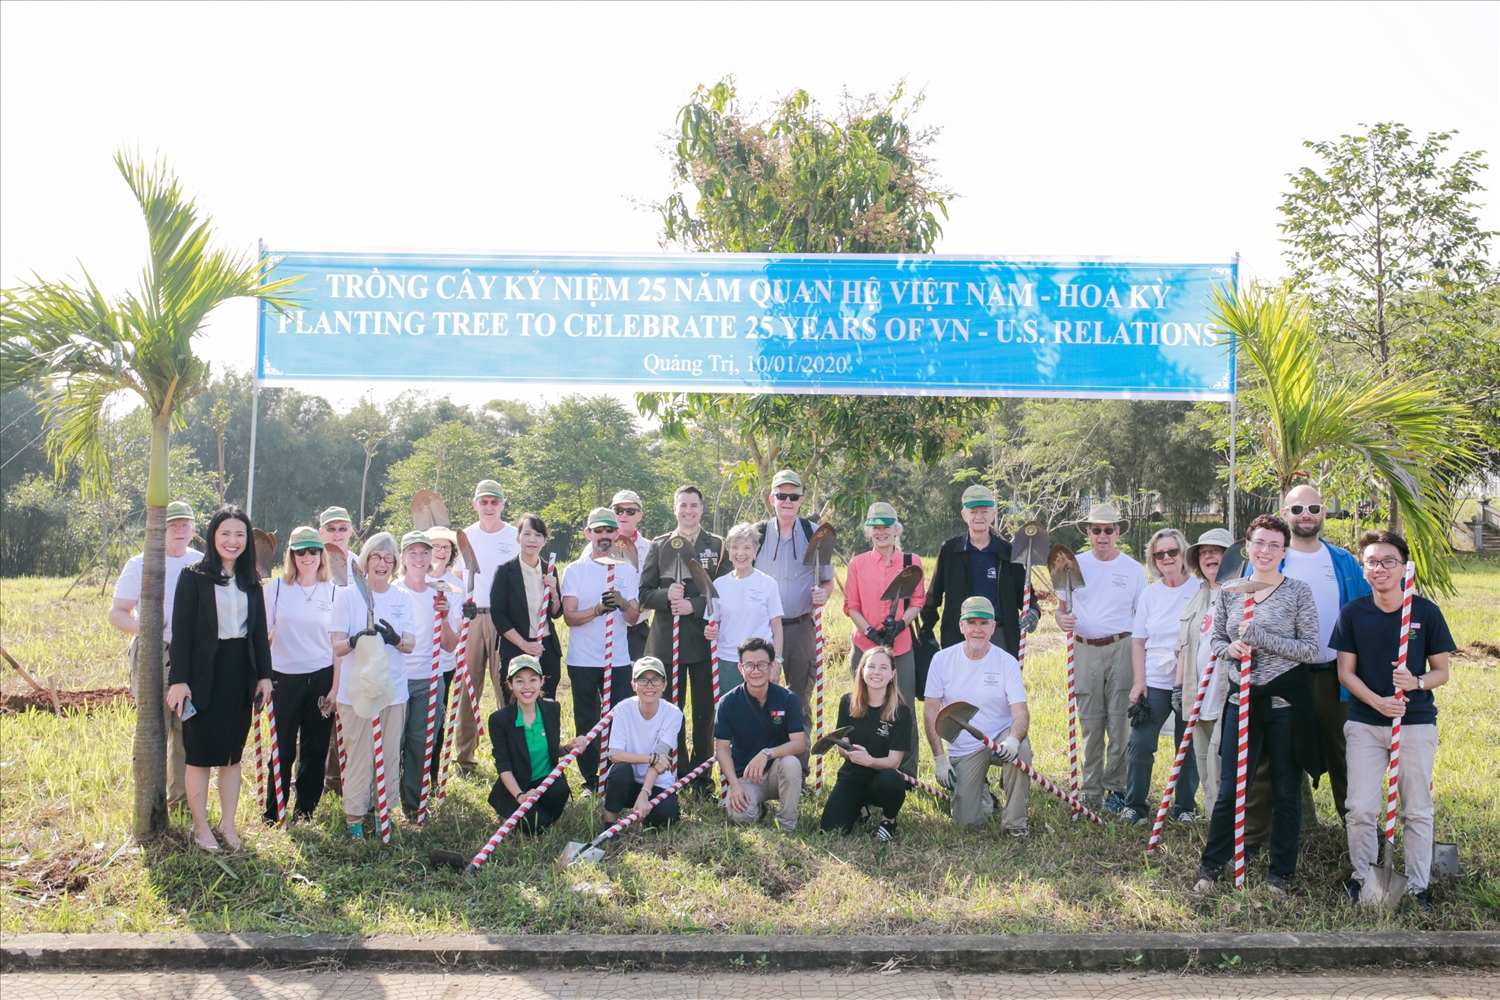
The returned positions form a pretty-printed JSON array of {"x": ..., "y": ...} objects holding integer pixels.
[
  {"x": 428, "y": 511},
  {"x": 1232, "y": 567},
  {"x": 265, "y": 549},
  {"x": 954, "y": 719},
  {"x": 702, "y": 580},
  {"x": 580, "y": 854},
  {"x": 820, "y": 547},
  {"x": 1062, "y": 566},
  {"x": 832, "y": 739},
  {"x": 338, "y": 564},
  {"x": 471, "y": 564},
  {"x": 904, "y": 585},
  {"x": 571, "y": 853},
  {"x": 1030, "y": 544}
]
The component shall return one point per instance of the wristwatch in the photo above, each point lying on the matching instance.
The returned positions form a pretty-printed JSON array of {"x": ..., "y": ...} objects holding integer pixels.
[
  {"x": 1421, "y": 684},
  {"x": 767, "y": 752},
  {"x": 781, "y": 660}
]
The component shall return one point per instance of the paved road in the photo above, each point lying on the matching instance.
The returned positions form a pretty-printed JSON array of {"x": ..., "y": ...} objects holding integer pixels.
[{"x": 908, "y": 984}]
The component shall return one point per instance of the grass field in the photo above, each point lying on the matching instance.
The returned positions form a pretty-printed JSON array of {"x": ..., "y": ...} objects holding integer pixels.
[{"x": 66, "y": 862}]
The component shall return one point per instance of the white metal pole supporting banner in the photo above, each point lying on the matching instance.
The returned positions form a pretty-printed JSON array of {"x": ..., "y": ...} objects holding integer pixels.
[{"x": 260, "y": 256}]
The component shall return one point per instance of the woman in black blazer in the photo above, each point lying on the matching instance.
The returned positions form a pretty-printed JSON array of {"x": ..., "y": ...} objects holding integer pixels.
[
  {"x": 526, "y": 735},
  {"x": 516, "y": 601},
  {"x": 220, "y": 667}
]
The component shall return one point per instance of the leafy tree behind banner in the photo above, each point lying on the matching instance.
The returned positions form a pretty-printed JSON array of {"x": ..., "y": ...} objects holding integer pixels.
[{"x": 793, "y": 180}]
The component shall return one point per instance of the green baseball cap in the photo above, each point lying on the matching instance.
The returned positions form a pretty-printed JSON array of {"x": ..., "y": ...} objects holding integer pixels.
[
  {"x": 880, "y": 514},
  {"x": 602, "y": 517},
  {"x": 523, "y": 662},
  {"x": 304, "y": 537},
  {"x": 976, "y": 607},
  {"x": 979, "y": 496},
  {"x": 647, "y": 665},
  {"x": 488, "y": 488},
  {"x": 786, "y": 477},
  {"x": 334, "y": 514},
  {"x": 179, "y": 510},
  {"x": 415, "y": 538}
]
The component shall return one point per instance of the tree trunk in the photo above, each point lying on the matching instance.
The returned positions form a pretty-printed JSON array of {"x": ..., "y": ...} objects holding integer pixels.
[{"x": 149, "y": 766}]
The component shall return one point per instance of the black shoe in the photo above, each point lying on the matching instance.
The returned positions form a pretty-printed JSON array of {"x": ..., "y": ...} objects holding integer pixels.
[
  {"x": 1350, "y": 890},
  {"x": 1423, "y": 899},
  {"x": 886, "y": 830}
]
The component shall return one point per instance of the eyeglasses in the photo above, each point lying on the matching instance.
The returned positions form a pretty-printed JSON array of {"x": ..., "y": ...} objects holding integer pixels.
[
  {"x": 756, "y": 665},
  {"x": 789, "y": 497},
  {"x": 651, "y": 680},
  {"x": 381, "y": 556},
  {"x": 1166, "y": 553},
  {"x": 1102, "y": 529},
  {"x": 1390, "y": 562},
  {"x": 1272, "y": 545},
  {"x": 627, "y": 511},
  {"x": 1297, "y": 508}
]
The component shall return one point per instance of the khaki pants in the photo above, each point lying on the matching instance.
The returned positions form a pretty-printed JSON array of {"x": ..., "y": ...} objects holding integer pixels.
[
  {"x": 782, "y": 782},
  {"x": 972, "y": 803},
  {"x": 801, "y": 668},
  {"x": 359, "y": 758},
  {"x": 1103, "y": 680},
  {"x": 1369, "y": 754},
  {"x": 483, "y": 653},
  {"x": 1206, "y": 748},
  {"x": 176, "y": 752}
]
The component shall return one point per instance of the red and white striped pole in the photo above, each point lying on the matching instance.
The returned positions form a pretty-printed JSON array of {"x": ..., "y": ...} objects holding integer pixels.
[
  {"x": 542, "y": 622},
  {"x": 930, "y": 789},
  {"x": 1072, "y": 714},
  {"x": 713, "y": 666},
  {"x": 607, "y": 708},
  {"x": 260, "y": 756},
  {"x": 449, "y": 724},
  {"x": 380, "y": 798},
  {"x": 1242, "y": 761},
  {"x": 432, "y": 698},
  {"x": 338, "y": 735},
  {"x": 1187, "y": 741},
  {"x": 546, "y": 783},
  {"x": 462, "y": 670},
  {"x": 1393, "y": 776},
  {"x": 656, "y": 800},
  {"x": 819, "y": 667},
  {"x": 1025, "y": 610},
  {"x": 275, "y": 764},
  {"x": 1079, "y": 809},
  {"x": 676, "y": 685}
]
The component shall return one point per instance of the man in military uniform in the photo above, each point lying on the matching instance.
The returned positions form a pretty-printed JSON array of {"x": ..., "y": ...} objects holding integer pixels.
[{"x": 666, "y": 595}]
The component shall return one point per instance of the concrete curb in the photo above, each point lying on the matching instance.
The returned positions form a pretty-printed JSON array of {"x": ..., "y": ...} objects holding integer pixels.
[{"x": 975, "y": 953}]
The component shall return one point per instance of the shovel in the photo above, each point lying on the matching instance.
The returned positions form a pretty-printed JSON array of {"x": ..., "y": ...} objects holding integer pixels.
[
  {"x": 819, "y": 551},
  {"x": 338, "y": 565},
  {"x": 833, "y": 738},
  {"x": 1232, "y": 566},
  {"x": 1067, "y": 576},
  {"x": 593, "y": 851},
  {"x": 1384, "y": 876},
  {"x": 1028, "y": 547},
  {"x": 428, "y": 511},
  {"x": 265, "y": 549},
  {"x": 673, "y": 557}
]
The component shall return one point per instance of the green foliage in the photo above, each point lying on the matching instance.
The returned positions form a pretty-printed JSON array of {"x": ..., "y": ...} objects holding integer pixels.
[{"x": 449, "y": 461}]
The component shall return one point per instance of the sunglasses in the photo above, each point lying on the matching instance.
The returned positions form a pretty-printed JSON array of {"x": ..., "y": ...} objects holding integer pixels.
[
  {"x": 1166, "y": 553},
  {"x": 1297, "y": 508},
  {"x": 627, "y": 511},
  {"x": 789, "y": 497},
  {"x": 1102, "y": 529}
]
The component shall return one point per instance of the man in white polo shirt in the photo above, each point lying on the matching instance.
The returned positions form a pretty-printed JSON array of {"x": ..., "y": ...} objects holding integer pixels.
[
  {"x": 493, "y": 542},
  {"x": 987, "y": 677},
  {"x": 1102, "y": 617},
  {"x": 122, "y": 615}
]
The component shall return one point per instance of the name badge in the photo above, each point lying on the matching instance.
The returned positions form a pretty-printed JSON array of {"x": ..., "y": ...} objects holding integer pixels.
[{"x": 778, "y": 717}]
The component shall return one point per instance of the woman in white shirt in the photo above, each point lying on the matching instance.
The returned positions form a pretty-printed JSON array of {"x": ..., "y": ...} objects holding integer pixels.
[
  {"x": 749, "y": 605},
  {"x": 299, "y": 614},
  {"x": 1158, "y": 622},
  {"x": 431, "y": 606},
  {"x": 1195, "y": 654}
]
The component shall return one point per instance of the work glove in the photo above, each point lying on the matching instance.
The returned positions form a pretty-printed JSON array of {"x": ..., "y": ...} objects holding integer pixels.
[
  {"x": 1029, "y": 621},
  {"x": 612, "y": 600},
  {"x": 889, "y": 630},
  {"x": 1177, "y": 700},
  {"x": 389, "y": 634},
  {"x": 1010, "y": 749},
  {"x": 943, "y": 770},
  {"x": 875, "y": 635},
  {"x": 471, "y": 610},
  {"x": 1139, "y": 713}
]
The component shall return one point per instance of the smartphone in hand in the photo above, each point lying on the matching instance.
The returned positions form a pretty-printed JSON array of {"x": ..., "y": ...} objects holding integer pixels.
[{"x": 188, "y": 710}]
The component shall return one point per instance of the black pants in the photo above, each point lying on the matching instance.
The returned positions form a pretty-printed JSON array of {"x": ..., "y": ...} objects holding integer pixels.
[
  {"x": 588, "y": 696},
  {"x": 445, "y": 693},
  {"x": 1332, "y": 714},
  {"x": 621, "y": 790},
  {"x": 298, "y": 719},
  {"x": 635, "y": 639},
  {"x": 699, "y": 689},
  {"x": 548, "y": 809},
  {"x": 1271, "y": 739},
  {"x": 855, "y": 790}
]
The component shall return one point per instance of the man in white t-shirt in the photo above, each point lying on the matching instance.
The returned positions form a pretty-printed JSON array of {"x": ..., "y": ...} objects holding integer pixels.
[
  {"x": 1102, "y": 617},
  {"x": 642, "y": 736},
  {"x": 986, "y": 676},
  {"x": 122, "y": 615},
  {"x": 493, "y": 542},
  {"x": 588, "y": 602}
]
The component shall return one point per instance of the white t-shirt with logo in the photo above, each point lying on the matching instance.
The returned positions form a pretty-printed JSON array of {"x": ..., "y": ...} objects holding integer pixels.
[
  {"x": 394, "y": 606},
  {"x": 300, "y": 620},
  {"x": 1213, "y": 702},
  {"x": 491, "y": 548},
  {"x": 1158, "y": 620},
  {"x": 419, "y": 660},
  {"x": 128, "y": 586},
  {"x": 746, "y": 607},
  {"x": 992, "y": 684},
  {"x": 1106, "y": 604},
  {"x": 587, "y": 581},
  {"x": 1316, "y": 570},
  {"x": 629, "y": 733}
]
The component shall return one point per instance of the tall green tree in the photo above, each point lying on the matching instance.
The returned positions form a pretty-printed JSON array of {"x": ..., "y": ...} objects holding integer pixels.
[
  {"x": 1302, "y": 414},
  {"x": 448, "y": 461},
  {"x": 795, "y": 180},
  {"x": 81, "y": 347}
]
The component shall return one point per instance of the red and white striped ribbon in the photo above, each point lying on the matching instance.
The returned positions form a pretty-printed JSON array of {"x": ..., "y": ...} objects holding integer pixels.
[
  {"x": 275, "y": 764},
  {"x": 1242, "y": 761},
  {"x": 1187, "y": 741},
  {"x": 381, "y": 802},
  {"x": 1393, "y": 775},
  {"x": 432, "y": 699},
  {"x": 607, "y": 707},
  {"x": 819, "y": 668}
]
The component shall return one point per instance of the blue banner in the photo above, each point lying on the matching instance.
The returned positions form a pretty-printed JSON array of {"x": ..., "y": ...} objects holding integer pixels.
[{"x": 957, "y": 326}]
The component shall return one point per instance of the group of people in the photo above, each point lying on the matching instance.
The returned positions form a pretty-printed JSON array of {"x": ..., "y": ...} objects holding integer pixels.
[{"x": 648, "y": 642}]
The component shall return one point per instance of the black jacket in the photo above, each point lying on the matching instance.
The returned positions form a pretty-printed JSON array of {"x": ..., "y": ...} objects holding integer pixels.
[
  {"x": 195, "y": 635},
  {"x": 509, "y": 743},
  {"x": 509, "y": 610},
  {"x": 950, "y": 586}
]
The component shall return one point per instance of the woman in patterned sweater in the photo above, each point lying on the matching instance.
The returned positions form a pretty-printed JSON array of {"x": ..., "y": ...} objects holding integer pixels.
[{"x": 1281, "y": 639}]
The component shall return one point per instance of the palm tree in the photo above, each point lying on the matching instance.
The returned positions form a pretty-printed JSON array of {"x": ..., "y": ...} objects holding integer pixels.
[
  {"x": 79, "y": 348},
  {"x": 1406, "y": 430}
]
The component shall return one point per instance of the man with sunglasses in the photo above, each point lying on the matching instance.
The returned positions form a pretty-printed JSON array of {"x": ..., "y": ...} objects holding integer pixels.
[
  {"x": 628, "y": 511},
  {"x": 781, "y": 558},
  {"x": 1102, "y": 617}
]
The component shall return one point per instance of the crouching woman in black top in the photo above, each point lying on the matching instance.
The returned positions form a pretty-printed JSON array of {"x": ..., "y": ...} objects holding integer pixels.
[
  {"x": 870, "y": 775},
  {"x": 526, "y": 734},
  {"x": 220, "y": 664}
]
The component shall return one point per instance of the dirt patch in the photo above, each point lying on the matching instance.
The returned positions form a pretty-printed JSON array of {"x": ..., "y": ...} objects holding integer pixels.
[
  {"x": 69, "y": 701},
  {"x": 1480, "y": 650},
  {"x": 43, "y": 876}
]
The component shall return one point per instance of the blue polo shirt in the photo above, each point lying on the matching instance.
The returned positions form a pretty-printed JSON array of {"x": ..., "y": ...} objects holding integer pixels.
[
  {"x": 984, "y": 569},
  {"x": 751, "y": 727}
]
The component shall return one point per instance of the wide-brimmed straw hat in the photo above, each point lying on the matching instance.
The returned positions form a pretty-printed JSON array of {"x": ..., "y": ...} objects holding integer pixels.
[
  {"x": 1105, "y": 513},
  {"x": 1218, "y": 537}
]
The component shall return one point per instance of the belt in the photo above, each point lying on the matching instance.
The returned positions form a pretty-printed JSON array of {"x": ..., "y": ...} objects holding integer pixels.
[
  {"x": 1324, "y": 666},
  {"x": 484, "y": 610},
  {"x": 1106, "y": 641},
  {"x": 796, "y": 621}
]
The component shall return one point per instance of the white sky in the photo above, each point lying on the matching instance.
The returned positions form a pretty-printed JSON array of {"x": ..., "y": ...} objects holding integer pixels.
[{"x": 1131, "y": 130}]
